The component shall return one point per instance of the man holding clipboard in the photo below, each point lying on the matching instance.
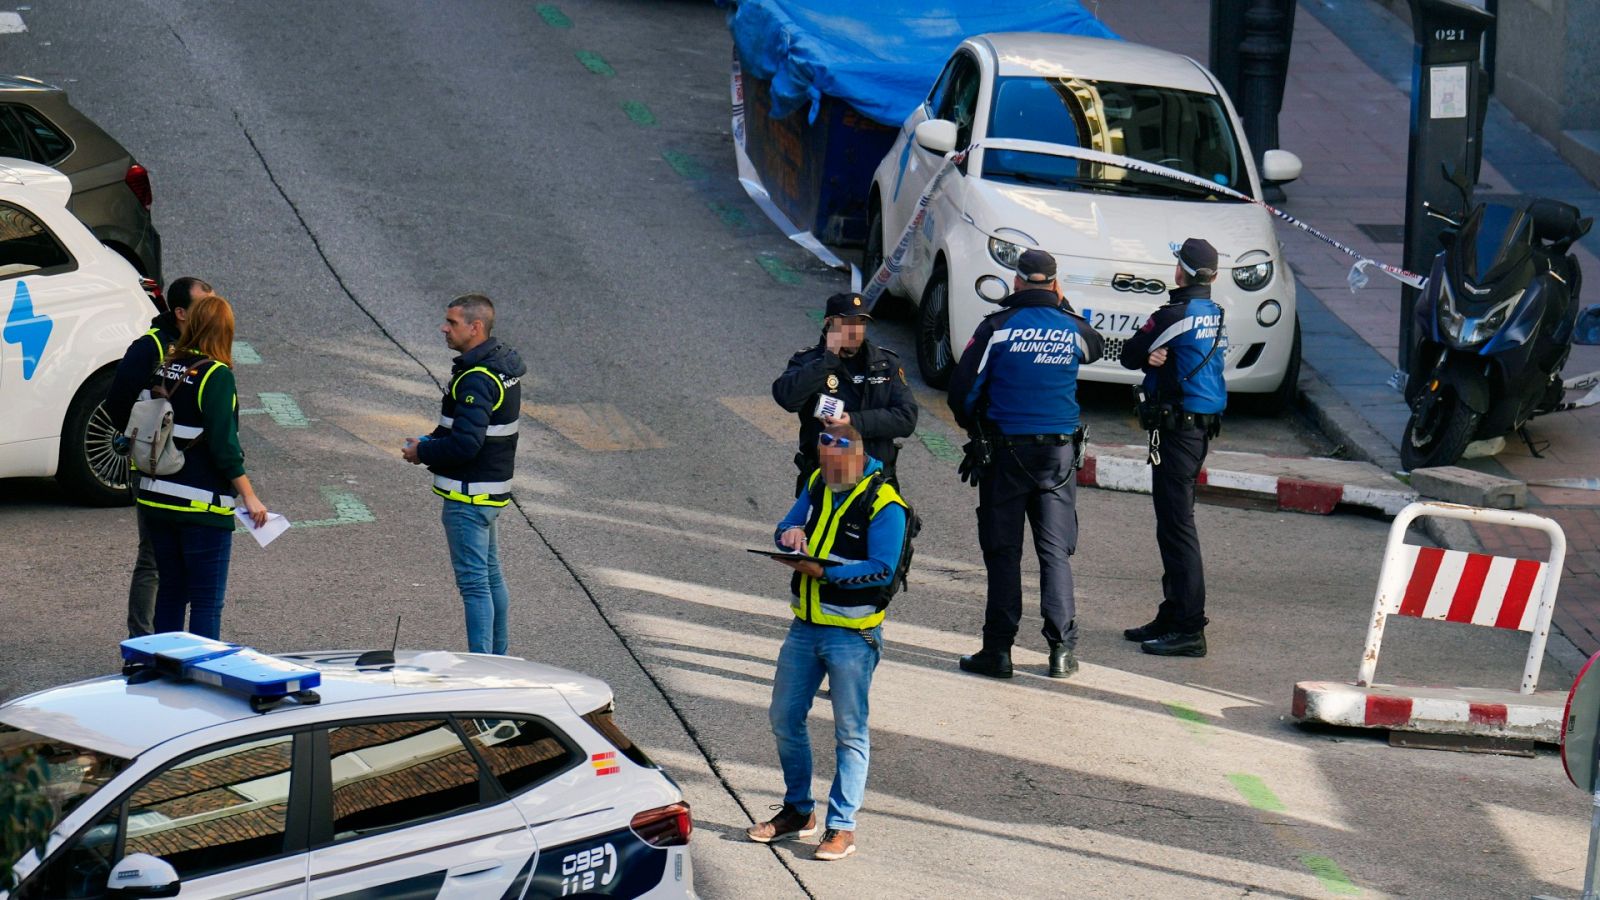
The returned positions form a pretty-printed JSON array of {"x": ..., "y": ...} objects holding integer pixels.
[{"x": 850, "y": 518}]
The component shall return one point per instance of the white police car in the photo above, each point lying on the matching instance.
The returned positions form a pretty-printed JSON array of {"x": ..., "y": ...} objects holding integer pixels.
[
  {"x": 434, "y": 775},
  {"x": 1024, "y": 103},
  {"x": 69, "y": 307}
]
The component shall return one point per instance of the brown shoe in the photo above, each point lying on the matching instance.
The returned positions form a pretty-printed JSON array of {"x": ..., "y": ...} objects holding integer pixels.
[
  {"x": 787, "y": 825},
  {"x": 836, "y": 844}
]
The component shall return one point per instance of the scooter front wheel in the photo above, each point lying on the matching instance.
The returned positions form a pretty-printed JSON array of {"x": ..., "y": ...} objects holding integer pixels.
[{"x": 1439, "y": 430}]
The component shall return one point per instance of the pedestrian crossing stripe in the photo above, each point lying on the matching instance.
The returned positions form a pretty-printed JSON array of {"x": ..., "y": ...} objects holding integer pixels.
[
  {"x": 766, "y": 415},
  {"x": 386, "y": 431},
  {"x": 597, "y": 427}
]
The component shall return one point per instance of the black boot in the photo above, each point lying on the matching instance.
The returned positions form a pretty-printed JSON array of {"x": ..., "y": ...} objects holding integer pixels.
[
  {"x": 1148, "y": 631},
  {"x": 1063, "y": 663},
  {"x": 1177, "y": 643},
  {"x": 993, "y": 662}
]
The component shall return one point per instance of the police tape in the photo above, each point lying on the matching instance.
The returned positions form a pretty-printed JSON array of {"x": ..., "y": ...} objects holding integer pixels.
[{"x": 890, "y": 267}]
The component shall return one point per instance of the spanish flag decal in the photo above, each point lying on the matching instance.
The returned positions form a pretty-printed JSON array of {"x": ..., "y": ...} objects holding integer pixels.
[{"x": 605, "y": 763}]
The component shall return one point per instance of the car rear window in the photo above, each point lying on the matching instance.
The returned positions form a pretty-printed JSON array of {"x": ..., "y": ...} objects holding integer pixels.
[
  {"x": 52, "y": 144},
  {"x": 13, "y": 140},
  {"x": 391, "y": 774},
  {"x": 520, "y": 752},
  {"x": 58, "y": 774},
  {"x": 603, "y": 722},
  {"x": 26, "y": 246}
]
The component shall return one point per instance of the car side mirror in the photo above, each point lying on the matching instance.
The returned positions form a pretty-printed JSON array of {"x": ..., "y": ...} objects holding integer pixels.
[
  {"x": 992, "y": 288},
  {"x": 936, "y": 136},
  {"x": 1280, "y": 166},
  {"x": 142, "y": 875}
]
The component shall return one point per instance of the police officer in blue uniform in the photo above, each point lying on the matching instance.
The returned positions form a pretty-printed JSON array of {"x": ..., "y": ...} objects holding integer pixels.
[
  {"x": 1181, "y": 349},
  {"x": 1015, "y": 391}
]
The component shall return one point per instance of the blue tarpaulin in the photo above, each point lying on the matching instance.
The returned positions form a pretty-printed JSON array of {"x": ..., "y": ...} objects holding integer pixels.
[{"x": 880, "y": 56}]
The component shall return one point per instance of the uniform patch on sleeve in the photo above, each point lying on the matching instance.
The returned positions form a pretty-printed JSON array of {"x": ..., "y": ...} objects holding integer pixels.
[{"x": 469, "y": 399}]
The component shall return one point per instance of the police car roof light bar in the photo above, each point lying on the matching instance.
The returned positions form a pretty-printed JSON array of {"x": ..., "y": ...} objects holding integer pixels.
[{"x": 264, "y": 680}]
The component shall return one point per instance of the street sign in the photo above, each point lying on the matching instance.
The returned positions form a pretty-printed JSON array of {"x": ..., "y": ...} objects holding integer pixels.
[{"x": 1579, "y": 724}]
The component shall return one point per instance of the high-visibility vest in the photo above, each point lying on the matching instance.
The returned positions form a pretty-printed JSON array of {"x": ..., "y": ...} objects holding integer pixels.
[
  {"x": 840, "y": 531},
  {"x": 198, "y": 487},
  {"x": 484, "y": 480}
]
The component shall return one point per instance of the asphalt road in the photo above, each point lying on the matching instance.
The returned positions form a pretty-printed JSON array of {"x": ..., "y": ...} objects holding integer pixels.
[{"x": 340, "y": 171}]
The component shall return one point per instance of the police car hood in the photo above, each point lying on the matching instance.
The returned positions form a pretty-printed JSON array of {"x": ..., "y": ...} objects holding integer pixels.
[{"x": 1115, "y": 228}]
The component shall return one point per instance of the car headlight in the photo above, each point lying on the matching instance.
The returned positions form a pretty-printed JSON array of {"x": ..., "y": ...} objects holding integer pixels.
[
  {"x": 1004, "y": 252},
  {"x": 1253, "y": 276}
]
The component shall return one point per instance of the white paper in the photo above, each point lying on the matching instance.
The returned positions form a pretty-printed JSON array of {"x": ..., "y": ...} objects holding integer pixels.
[
  {"x": 1447, "y": 92},
  {"x": 828, "y": 407},
  {"x": 267, "y": 533}
]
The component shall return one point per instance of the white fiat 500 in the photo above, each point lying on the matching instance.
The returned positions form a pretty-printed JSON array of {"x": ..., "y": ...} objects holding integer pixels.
[
  {"x": 1020, "y": 101},
  {"x": 69, "y": 307},
  {"x": 212, "y": 771}
]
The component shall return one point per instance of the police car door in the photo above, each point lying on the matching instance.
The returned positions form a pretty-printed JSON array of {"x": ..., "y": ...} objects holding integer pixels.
[
  {"x": 405, "y": 810},
  {"x": 42, "y": 307}
]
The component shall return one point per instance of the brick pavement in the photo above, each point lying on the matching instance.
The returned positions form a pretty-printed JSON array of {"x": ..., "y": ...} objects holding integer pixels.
[{"x": 1346, "y": 114}]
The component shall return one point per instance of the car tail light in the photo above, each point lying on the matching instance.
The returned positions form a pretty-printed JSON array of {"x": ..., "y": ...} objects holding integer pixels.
[
  {"x": 664, "y": 826},
  {"x": 138, "y": 181},
  {"x": 153, "y": 288}
]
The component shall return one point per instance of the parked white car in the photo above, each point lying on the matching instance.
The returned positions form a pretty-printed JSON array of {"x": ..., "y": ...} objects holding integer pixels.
[
  {"x": 426, "y": 774},
  {"x": 1024, "y": 98},
  {"x": 69, "y": 307}
]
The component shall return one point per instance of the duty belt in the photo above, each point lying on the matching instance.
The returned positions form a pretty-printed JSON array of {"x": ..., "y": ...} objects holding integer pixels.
[{"x": 1031, "y": 440}]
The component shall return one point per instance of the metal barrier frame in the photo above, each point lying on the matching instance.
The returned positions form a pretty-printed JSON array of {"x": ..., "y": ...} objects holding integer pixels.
[{"x": 1394, "y": 577}]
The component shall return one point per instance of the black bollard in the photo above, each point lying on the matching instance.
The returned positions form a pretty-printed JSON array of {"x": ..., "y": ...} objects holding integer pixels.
[{"x": 1263, "y": 70}]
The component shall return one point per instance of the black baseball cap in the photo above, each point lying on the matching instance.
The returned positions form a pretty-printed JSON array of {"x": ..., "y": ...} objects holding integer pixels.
[
  {"x": 848, "y": 304},
  {"x": 1036, "y": 266},
  {"x": 1197, "y": 257}
]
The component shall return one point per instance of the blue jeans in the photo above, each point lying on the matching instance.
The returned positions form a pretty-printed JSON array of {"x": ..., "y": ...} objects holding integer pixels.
[
  {"x": 192, "y": 562},
  {"x": 809, "y": 652},
  {"x": 475, "y": 554}
]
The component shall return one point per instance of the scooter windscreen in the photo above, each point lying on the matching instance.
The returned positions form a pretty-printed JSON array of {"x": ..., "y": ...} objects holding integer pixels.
[{"x": 1493, "y": 250}]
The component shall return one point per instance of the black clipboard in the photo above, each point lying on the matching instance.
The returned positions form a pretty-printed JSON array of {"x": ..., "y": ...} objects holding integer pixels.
[{"x": 797, "y": 557}]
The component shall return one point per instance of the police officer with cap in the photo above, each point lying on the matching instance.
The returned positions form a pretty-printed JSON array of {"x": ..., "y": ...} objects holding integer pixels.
[
  {"x": 1015, "y": 391},
  {"x": 866, "y": 384},
  {"x": 1182, "y": 349}
]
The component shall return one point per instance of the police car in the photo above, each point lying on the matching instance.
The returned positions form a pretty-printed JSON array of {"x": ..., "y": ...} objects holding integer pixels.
[
  {"x": 1024, "y": 103},
  {"x": 69, "y": 307},
  {"x": 216, "y": 771}
]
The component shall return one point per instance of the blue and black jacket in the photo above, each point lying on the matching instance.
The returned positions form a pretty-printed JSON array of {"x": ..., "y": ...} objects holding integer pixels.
[
  {"x": 472, "y": 453},
  {"x": 1020, "y": 370},
  {"x": 147, "y": 351},
  {"x": 1190, "y": 326}
]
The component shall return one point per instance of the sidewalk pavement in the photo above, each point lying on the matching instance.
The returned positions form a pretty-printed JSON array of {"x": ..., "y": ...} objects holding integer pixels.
[{"x": 1346, "y": 113}]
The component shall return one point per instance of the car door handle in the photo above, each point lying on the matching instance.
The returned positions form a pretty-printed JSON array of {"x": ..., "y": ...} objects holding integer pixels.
[{"x": 475, "y": 868}]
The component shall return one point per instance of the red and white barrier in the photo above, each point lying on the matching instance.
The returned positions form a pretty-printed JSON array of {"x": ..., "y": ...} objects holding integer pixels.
[{"x": 1453, "y": 586}]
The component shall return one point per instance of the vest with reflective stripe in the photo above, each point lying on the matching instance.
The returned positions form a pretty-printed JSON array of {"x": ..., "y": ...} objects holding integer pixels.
[
  {"x": 841, "y": 532},
  {"x": 197, "y": 487},
  {"x": 484, "y": 480}
]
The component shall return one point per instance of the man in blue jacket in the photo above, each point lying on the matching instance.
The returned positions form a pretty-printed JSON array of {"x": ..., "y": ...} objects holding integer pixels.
[
  {"x": 1016, "y": 393},
  {"x": 847, "y": 512},
  {"x": 472, "y": 455},
  {"x": 1182, "y": 349}
]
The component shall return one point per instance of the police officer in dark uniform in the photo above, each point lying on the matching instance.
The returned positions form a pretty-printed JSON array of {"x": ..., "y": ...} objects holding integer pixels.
[
  {"x": 867, "y": 378},
  {"x": 1015, "y": 391},
  {"x": 1181, "y": 348}
]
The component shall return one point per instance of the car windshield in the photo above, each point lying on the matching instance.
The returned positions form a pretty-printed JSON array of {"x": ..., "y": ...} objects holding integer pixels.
[
  {"x": 68, "y": 774},
  {"x": 1182, "y": 130}
]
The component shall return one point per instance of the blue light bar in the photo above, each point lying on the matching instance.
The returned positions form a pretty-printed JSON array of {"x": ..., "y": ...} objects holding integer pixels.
[{"x": 236, "y": 669}]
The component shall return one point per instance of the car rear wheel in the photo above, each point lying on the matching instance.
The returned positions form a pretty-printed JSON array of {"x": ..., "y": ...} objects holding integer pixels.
[
  {"x": 888, "y": 306},
  {"x": 91, "y": 469},
  {"x": 935, "y": 357}
]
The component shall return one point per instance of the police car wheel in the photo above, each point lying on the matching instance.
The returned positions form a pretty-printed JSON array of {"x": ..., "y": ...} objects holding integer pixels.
[
  {"x": 888, "y": 305},
  {"x": 935, "y": 357},
  {"x": 90, "y": 469}
]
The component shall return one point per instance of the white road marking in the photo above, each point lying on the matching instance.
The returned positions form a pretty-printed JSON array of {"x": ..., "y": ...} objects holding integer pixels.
[{"x": 11, "y": 23}]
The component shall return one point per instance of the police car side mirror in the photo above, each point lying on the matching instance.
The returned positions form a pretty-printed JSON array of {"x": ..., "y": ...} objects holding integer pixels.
[
  {"x": 1280, "y": 166},
  {"x": 142, "y": 875},
  {"x": 936, "y": 136},
  {"x": 992, "y": 288}
]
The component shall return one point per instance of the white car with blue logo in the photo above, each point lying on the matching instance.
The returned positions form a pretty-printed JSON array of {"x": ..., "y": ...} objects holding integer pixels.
[
  {"x": 1022, "y": 104},
  {"x": 208, "y": 770},
  {"x": 69, "y": 307}
]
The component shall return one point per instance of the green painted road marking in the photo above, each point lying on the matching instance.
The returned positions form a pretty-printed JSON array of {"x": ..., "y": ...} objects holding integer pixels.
[
  {"x": 1193, "y": 720},
  {"x": 731, "y": 216},
  {"x": 816, "y": 315},
  {"x": 348, "y": 510},
  {"x": 282, "y": 409},
  {"x": 1333, "y": 878},
  {"x": 639, "y": 114},
  {"x": 595, "y": 63},
  {"x": 940, "y": 447},
  {"x": 684, "y": 164},
  {"x": 245, "y": 355},
  {"x": 1255, "y": 792},
  {"x": 778, "y": 269},
  {"x": 553, "y": 16}
]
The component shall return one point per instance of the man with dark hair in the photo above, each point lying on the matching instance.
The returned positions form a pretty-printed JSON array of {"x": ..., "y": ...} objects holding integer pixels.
[
  {"x": 472, "y": 455},
  {"x": 865, "y": 379},
  {"x": 133, "y": 373},
  {"x": 850, "y": 514},
  {"x": 1182, "y": 349}
]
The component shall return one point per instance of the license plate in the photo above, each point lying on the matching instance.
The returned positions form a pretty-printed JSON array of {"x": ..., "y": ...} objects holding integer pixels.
[{"x": 1114, "y": 322}]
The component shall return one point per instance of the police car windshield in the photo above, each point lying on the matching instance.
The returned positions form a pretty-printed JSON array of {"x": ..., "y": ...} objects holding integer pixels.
[
  {"x": 1182, "y": 130},
  {"x": 67, "y": 774}
]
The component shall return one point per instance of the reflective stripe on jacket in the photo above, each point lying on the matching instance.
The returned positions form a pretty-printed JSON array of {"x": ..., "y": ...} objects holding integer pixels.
[
  {"x": 198, "y": 488},
  {"x": 841, "y": 532}
]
